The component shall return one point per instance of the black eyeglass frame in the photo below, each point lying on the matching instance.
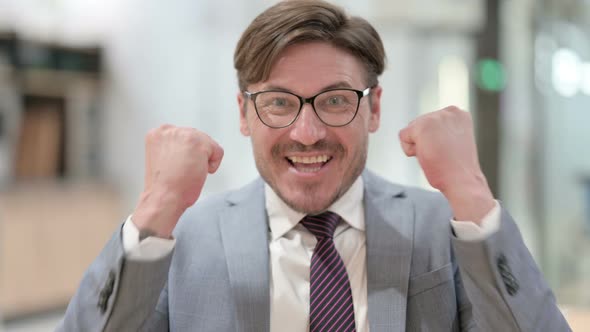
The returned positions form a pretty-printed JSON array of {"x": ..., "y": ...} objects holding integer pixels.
[{"x": 302, "y": 101}]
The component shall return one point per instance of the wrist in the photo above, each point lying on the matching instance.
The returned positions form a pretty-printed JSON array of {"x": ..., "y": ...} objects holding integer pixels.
[
  {"x": 470, "y": 201},
  {"x": 156, "y": 214}
]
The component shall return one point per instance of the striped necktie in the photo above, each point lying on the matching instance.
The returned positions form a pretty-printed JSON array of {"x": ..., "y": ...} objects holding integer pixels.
[{"x": 331, "y": 307}]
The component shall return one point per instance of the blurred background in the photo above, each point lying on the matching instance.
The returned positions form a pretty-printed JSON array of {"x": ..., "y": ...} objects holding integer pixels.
[{"x": 82, "y": 81}]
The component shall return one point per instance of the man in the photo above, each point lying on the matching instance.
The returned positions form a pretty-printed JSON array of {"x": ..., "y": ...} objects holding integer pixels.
[{"x": 319, "y": 243}]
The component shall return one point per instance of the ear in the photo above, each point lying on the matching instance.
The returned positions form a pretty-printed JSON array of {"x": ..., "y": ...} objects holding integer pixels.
[
  {"x": 374, "y": 118},
  {"x": 244, "y": 127}
]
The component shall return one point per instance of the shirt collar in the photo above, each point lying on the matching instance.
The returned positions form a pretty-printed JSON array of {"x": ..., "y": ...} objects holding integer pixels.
[{"x": 283, "y": 218}]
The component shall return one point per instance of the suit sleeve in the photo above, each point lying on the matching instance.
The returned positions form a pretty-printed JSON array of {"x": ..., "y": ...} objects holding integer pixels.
[
  {"x": 120, "y": 294},
  {"x": 501, "y": 288}
]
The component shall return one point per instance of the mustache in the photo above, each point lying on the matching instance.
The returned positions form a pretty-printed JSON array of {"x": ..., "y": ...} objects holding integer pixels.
[{"x": 319, "y": 146}]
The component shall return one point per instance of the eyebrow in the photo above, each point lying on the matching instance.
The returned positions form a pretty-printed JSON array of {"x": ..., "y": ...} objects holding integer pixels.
[{"x": 337, "y": 85}]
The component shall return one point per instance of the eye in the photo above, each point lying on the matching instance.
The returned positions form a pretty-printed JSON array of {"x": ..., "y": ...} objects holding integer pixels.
[
  {"x": 336, "y": 100},
  {"x": 280, "y": 102}
]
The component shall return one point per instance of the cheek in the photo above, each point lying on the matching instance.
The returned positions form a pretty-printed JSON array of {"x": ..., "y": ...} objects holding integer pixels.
[
  {"x": 355, "y": 143},
  {"x": 355, "y": 136},
  {"x": 263, "y": 141}
]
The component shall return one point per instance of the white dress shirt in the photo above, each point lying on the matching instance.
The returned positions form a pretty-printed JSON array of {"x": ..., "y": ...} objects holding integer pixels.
[{"x": 291, "y": 247}]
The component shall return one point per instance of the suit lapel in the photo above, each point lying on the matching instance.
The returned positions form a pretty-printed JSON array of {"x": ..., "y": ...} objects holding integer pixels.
[
  {"x": 244, "y": 231},
  {"x": 389, "y": 231}
]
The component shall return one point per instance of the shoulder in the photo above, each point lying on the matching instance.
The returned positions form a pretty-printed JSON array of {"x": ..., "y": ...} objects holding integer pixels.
[
  {"x": 430, "y": 215},
  {"x": 206, "y": 212},
  {"x": 430, "y": 209},
  {"x": 422, "y": 200},
  {"x": 428, "y": 201}
]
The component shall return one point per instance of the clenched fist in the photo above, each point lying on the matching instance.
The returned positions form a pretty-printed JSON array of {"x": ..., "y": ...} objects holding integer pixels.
[
  {"x": 177, "y": 161},
  {"x": 444, "y": 144}
]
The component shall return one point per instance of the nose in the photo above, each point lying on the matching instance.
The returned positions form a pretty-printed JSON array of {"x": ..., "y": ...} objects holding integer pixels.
[{"x": 308, "y": 128}]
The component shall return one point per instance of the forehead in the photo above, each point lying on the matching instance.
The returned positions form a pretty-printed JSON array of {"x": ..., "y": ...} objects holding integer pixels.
[{"x": 308, "y": 68}]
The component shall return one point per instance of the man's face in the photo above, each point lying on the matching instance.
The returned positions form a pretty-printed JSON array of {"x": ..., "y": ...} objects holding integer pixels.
[{"x": 309, "y": 164}]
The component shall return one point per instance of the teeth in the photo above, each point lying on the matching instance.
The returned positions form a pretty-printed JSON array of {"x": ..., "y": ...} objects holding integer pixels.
[
  {"x": 310, "y": 160},
  {"x": 308, "y": 169}
]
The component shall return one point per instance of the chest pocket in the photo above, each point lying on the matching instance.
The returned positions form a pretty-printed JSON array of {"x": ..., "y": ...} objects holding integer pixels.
[
  {"x": 424, "y": 282},
  {"x": 432, "y": 303}
]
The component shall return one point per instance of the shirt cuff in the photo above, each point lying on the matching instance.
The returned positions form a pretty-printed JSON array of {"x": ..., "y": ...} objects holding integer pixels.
[
  {"x": 149, "y": 249},
  {"x": 469, "y": 231}
]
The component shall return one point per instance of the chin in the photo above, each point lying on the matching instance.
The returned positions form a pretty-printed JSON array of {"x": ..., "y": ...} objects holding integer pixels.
[
  {"x": 307, "y": 200},
  {"x": 311, "y": 209}
]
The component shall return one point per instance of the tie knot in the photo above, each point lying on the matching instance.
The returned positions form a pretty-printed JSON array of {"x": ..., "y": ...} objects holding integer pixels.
[{"x": 322, "y": 225}]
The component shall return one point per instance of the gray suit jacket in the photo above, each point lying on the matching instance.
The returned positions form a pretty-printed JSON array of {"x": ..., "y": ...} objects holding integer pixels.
[{"x": 420, "y": 277}]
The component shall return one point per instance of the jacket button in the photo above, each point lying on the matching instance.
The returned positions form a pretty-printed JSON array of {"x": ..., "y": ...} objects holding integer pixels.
[
  {"x": 508, "y": 278},
  {"x": 105, "y": 293}
]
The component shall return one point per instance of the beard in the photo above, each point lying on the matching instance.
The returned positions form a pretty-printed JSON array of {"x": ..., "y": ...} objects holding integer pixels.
[{"x": 311, "y": 198}]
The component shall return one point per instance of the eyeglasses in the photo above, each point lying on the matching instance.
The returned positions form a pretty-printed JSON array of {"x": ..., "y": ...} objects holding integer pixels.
[{"x": 334, "y": 107}]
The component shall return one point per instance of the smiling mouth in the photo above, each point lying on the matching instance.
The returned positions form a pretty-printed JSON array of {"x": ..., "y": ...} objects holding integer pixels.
[{"x": 309, "y": 164}]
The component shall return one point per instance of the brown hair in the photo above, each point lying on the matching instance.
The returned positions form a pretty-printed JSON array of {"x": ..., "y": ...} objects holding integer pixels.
[{"x": 296, "y": 21}]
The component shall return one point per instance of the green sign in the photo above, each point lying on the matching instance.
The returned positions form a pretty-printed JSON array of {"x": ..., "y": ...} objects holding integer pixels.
[{"x": 490, "y": 75}]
